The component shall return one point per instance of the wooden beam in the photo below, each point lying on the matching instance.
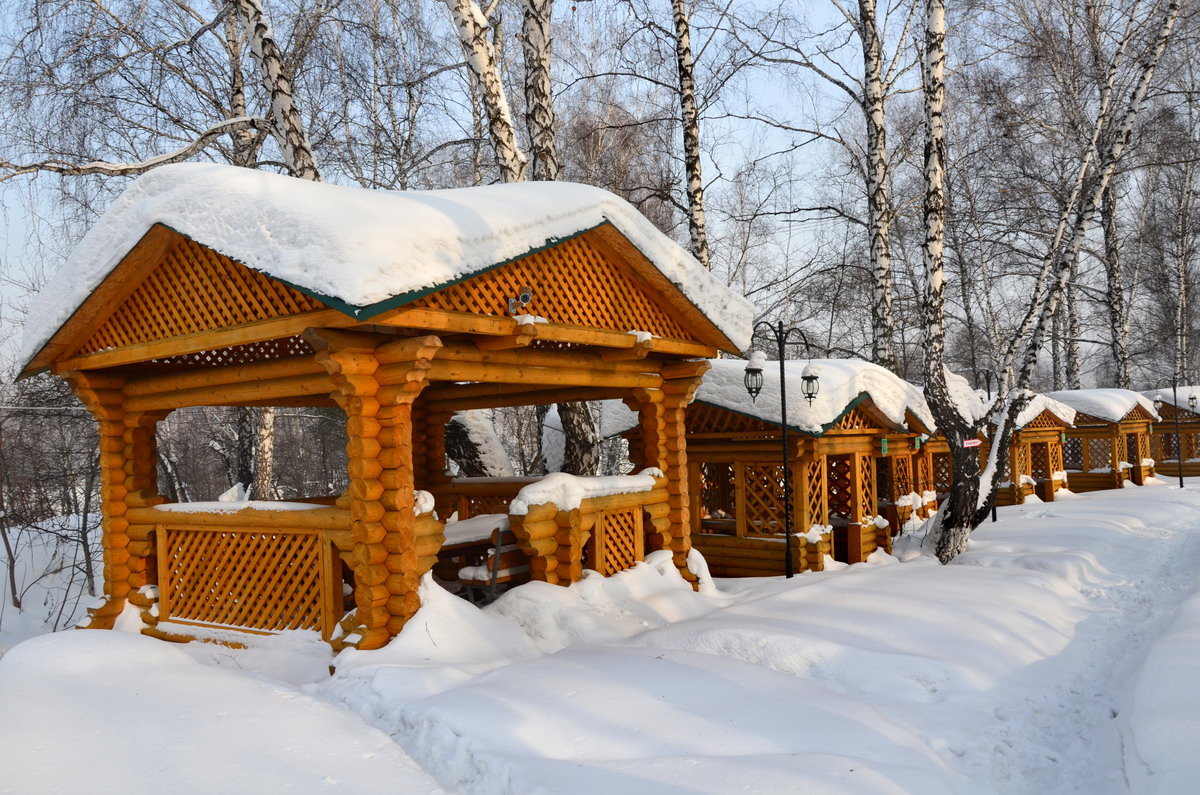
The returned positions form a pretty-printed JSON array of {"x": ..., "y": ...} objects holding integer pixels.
[
  {"x": 174, "y": 380},
  {"x": 441, "y": 370},
  {"x": 305, "y": 519},
  {"x": 532, "y": 397},
  {"x": 232, "y": 394},
  {"x": 638, "y": 351},
  {"x": 257, "y": 331}
]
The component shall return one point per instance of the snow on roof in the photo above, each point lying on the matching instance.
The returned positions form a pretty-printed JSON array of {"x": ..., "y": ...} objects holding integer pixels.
[
  {"x": 1167, "y": 395},
  {"x": 1111, "y": 405},
  {"x": 362, "y": 247},
  {"x": 840, "y": 383},
  {"x": 1039, "y": 403}
]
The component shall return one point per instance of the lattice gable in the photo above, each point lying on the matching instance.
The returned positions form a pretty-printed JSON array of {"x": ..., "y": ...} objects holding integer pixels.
[
  {"x": 194, "y": 289},
  {"x": 707, "y": 418},
  {"x": 1088, "y": 419},
  {"x": 575, "y": 282},
  {"x": 864, "y": 416},
  {"x": 1046, "y": 419}
]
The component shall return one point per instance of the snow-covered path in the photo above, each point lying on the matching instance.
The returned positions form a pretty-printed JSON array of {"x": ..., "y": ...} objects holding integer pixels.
[{"x": 1053, "y": 657}]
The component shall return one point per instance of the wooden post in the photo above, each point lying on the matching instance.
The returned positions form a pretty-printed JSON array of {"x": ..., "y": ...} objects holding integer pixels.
[
  {"x": 379, "y": 423},
  {"x": 128, "y": 479},
  {"x": 663, "y": 431}
]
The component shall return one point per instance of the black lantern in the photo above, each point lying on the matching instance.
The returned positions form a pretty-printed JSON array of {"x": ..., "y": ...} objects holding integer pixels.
[
  {"x": 753, "y": 378},
  {"x": 809, "y": 386},
  {"x": 1157, "y": 405},
  {"x": 1192, "y": 401}
]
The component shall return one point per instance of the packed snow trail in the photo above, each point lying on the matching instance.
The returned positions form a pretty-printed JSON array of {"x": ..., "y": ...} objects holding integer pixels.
[{"x": 999, "y": 673}]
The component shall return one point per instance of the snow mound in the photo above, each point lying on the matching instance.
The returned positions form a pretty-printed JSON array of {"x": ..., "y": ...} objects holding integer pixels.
[
  {"x": 357, "y": 249},
  {"x": 1167, "y": 395},
  {"x": 1111, "y": 405},
  {"x": 569, "y": 491},
  {"x": 1039, "y": 403},
  {"x": 97, "y": 711}
]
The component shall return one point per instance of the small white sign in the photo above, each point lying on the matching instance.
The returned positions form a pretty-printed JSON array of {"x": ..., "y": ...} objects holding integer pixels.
[{"x": 972, "y": 442}]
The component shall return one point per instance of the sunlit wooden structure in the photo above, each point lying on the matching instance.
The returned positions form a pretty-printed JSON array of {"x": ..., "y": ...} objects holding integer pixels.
[
  {"x": 1110, "y": 442},
  {"x": 852, "y": 479},
  {"x": 176, "y": 323},
  {"x": 1163, "y": 445}
]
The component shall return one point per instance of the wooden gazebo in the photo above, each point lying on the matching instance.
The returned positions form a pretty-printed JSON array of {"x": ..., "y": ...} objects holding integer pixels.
[
  {"x": 1163, "y": 445},
  {"x": 1034, "y": 465},
  {"x": 212, "y": 285},
  {"x": 1110, "y": 443},
  {"x": 849, "y": 461}
]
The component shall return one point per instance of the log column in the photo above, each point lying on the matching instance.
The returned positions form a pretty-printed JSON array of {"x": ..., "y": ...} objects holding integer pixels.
[
  {"x": 663, "y": 445},
  {"x": 376, "y": 382},
  {"x": 128, "y": 479}
]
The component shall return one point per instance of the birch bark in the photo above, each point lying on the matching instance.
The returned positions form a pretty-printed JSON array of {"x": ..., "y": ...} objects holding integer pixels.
[{"x": 690, "y": 117}]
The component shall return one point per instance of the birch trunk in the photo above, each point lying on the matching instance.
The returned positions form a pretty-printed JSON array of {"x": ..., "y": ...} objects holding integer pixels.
[
  {"x": 472, "y": 27},
  {"x": 1074, "y": 368},
  {"x": 883, "y": 350},
  {"x": 287, "y": 126},
  {"x": 690, "y": 117},
  {"x": 537, "y": 47},
  {"x": 581, "y": 453},
  {"x": 264, "y": 454},
  {"x": 243, "y": 463}
]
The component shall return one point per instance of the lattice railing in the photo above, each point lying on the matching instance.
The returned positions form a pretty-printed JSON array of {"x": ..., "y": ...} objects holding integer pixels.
[
  {"x": 814, "y": 480},
  {"x": 866, "y": 494},
  {"x": 559, "y": 277},
  {"x": 619, "y": 540},
  {"x": 266, "y": 580},
  {"x": 764, "y": 498},
  {"x": 1021, "y": 454}
]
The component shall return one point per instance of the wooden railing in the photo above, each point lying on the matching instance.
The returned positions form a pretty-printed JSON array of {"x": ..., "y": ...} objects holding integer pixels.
[
  {"x": 258, "y": 570},
  {"x": 475, "y": 496},
  {"x": 605, "y": 533}
]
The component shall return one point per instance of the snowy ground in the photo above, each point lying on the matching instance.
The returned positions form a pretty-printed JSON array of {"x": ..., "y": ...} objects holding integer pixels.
[{"x": 1058, "y": 655}]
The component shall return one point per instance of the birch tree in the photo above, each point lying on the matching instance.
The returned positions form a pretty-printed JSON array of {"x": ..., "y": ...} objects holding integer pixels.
[
  {"x": 690, "y": 117},
  {"x": 973, "y": 491}
]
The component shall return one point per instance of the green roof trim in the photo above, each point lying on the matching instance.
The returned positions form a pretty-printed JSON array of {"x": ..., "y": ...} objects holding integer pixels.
[{"x": 379, "y": 307}]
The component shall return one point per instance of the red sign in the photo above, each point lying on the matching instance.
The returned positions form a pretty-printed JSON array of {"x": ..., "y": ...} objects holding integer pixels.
[{"x": 972, "y": 442}]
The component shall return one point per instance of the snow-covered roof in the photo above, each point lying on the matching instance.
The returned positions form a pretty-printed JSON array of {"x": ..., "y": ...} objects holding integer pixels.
[
  {"x": 1110, "y": 405},
  {"x": 841, "y": 383},
  {"x": 359, "y": 249},
  {"x": 1039, "y": 403},
  {"x": 1167, "y": 395}
]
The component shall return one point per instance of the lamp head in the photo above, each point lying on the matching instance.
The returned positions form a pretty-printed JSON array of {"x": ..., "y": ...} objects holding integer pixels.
[{"x": 754, "y": 377}]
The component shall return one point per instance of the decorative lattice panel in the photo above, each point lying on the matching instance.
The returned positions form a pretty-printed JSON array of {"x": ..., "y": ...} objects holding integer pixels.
[
  {"x": 264, "y": 580},
  {"x": 838, "y": 477},
  {"x": 702, "y": 418},
  {"x": 1039, "y": 461},
  {"x": 1138, "y": 447},
  {"x": 1082, "y": 419},
  {"x": 1021, "y": 454},
  {"x": 1099, "y": 454},
  {"x": 1055, "y": 453},
  {"x": 855, "y": 418},
  {"x": 1073, "y": 455},
  {"x": 572, "y": 283},
  {"x": 1045, "y": 420},
  {"x": 943, "y": 472},
  {"x": 902, "y": 478},
  {"x": 1139, "y": 413},
  {"x": 764, "y": 498},
  {"x": 243, "y": 354},
  {"x": 924, "y": 474},
  {"x": 814, "y": 481},
  {"x": 480, "y": 505},
  {"x": 717, "y": 498},
  {"x": 866, "y": 476},
  {"x": 1191, "y": 446},
  {"x": 195, "y": 289},
  {"x": 619, "y": 538}
]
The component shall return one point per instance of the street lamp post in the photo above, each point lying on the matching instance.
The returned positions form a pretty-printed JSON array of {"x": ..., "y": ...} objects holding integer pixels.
[
  {"x": 808, "y": 387},
  {"x": 1175, "y": 411}
]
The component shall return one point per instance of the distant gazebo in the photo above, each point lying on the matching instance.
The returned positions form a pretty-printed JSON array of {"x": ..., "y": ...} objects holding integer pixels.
[
  {"x": 849, "y": 461},
  {"x": 214, "y": 285},
  {"x": 1110, "y": 443},
  {"x": 1163, "y": 445}
]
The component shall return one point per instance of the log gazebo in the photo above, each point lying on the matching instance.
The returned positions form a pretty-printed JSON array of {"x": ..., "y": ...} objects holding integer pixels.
[
  {"x": 849, "y": 461},
  {"x": 1163, "y": 445},
  {"x": 1110, "y": 443},
  {"x": 215, "y": 285}
]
